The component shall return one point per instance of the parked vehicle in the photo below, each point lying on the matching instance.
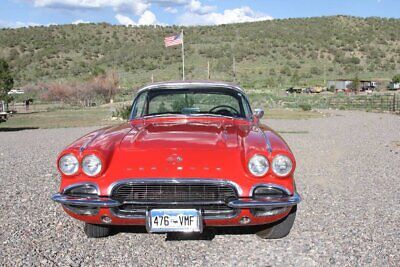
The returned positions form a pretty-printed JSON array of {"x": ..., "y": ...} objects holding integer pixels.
[
  {"x": 3, "y": 111},
  {"x": 394, "y": 86},
  {"x": 316, "y": 89},
  {"x": 192, "y": 155},
  {"x": 16, "y": 92},
  {"x": 294, "y": 90}
]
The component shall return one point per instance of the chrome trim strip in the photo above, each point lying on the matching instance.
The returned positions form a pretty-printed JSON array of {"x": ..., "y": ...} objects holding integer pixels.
[
  {"x": 186, "y": 85},
  {"x": 222, "y": 217},
  {"x": 214, "y": 217},
  {"x": 115, "y": 214},
  {"x": 269, "y": 212},
  {"x": 186, "y": 116},
  {"x": 86, "y": 211},
  {"x": 269, "y": 146},
  {"x": 239, "y": 190},
  {"x": 85, "y": 202},
  {"x": 80, "y": 184},
  {"x": 265, "y": 203},
  {"x": 269, "y": 185},
  {"x": 173, "y": 203},
  {"x": 86, "y": 144}
]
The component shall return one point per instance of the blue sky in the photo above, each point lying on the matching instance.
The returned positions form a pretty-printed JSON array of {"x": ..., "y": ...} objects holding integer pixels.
[{"x": 20, "y": 13}]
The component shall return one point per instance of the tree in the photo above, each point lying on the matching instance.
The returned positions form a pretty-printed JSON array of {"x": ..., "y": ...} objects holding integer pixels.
[
  {"x": 396, "y": 78},
  {"x": 106, "y": 86},
  {"x": 355, "y": 85},
  {"x": 6, "y": 79}
]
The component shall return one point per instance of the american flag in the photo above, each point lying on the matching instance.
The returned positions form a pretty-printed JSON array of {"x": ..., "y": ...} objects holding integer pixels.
[{"x": 176, "y": 39}]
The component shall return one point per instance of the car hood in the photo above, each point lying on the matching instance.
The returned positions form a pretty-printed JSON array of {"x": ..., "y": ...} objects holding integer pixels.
[
  {"x": 191, "y": 135},
  {"x": 185, "y": 148}
]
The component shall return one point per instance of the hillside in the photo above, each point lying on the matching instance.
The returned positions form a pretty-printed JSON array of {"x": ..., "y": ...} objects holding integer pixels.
[{"x": 268, "y": 54}]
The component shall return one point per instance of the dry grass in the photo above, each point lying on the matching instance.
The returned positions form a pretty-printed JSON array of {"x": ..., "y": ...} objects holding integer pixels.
[
  {"x": 61, "y": 118},
  {"x": 99, "y": 116},
  {"x": 291, "y": 114}
]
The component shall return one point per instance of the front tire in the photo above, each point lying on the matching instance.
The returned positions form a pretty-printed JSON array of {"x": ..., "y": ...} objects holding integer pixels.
[
  {"x": 278, "y": 229},
  {"x": 97, "y": 230}
]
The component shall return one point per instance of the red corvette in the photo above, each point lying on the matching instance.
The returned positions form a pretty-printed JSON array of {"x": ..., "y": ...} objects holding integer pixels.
[{"x": 192, "y": 155}]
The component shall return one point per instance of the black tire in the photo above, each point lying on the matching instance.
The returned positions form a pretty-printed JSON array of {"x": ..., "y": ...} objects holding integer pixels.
[
  {"x": 97, "y": 230},
  {"x": 280, "y": 228}
]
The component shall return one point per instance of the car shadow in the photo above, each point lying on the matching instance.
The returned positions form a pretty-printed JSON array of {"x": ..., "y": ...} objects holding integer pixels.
[
  {"x": 17, "y": 129},
  {"x": 208, "y": 234}
]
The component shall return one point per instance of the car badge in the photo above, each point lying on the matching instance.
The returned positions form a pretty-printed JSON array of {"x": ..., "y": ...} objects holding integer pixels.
[{"x": 174, "y": 159}]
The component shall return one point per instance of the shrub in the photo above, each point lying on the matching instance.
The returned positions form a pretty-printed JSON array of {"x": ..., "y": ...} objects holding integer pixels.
[
  {"x": 122, "y": 112},
  {"x": 396, "y": 78},
  {"x": 305, "y": 107}
]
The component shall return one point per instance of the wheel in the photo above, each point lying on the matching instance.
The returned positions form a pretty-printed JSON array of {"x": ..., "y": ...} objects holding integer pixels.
[
  {"x": 97, "y": 230},
  {"x": 280, "y": 228}
]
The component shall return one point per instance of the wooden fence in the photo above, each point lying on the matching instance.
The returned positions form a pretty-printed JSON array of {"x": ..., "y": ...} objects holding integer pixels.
[
  {"x": 32, "y": 108},
  {"x": 373, "y": 102},
  {"x": 381, "y": 102}
]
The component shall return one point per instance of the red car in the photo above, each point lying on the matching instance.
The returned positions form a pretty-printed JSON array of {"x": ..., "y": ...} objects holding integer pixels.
[{"x": 192, "y": 155}]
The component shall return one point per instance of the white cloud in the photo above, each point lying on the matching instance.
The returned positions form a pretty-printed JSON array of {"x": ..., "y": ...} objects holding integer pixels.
[
  {"x": 171, "y": 10},
  {"x": 237, "y": 15},
  {"x": 124, "y": 20},
  {"x": 79, "y": 21},
  {"x": 136, "y": 7},
  {"x": 18, "y": 24},
  {"x": 127, "y": 12},
  {"x": 195, "y": 6},
  {"x": 147, "y": 18}
]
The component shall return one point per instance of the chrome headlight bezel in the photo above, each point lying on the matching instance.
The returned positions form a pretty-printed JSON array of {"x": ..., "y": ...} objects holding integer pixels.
[
  {"x": 258, "y": 165},
  {"x": 68, "y": 159},
  {"x": 282, "y": 165},
  {"x": 91, "y": 165}
]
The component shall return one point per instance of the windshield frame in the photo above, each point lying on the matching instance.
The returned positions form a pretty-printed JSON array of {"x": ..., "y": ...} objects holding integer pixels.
[{"x": 243, "y": 101}]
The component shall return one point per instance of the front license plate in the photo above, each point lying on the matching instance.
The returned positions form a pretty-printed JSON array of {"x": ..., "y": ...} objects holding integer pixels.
[{"x": 173, "y": 220}]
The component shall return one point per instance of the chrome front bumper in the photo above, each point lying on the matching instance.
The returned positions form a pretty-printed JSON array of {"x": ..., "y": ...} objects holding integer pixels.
[
  {"x": 241, "y": 203},
  {"x": 270, "y": 202},
  {"x": 98, "y": 202}
]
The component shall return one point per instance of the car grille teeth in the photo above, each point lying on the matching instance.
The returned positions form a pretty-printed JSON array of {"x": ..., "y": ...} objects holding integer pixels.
[{"x": 132, "y": 192}]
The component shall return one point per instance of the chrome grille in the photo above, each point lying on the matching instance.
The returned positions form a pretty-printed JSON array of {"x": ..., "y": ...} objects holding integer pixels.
[{"x": 182, "y": 192}]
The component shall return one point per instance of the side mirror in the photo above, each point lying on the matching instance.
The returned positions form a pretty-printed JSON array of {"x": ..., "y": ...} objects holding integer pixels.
[{"x": 258, "y": 113}]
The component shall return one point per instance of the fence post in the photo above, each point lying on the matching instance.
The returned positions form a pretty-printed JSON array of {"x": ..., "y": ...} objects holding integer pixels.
[{"x": 394, "y": 102}]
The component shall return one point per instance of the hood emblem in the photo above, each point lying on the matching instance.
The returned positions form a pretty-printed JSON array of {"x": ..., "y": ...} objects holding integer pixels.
[{"x": 174, "y": 159}]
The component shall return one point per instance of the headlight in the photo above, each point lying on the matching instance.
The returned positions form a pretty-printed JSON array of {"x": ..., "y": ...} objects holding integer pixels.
[
  {"x": 68, "y": 164},
  {"x": 282, "y": 165},
  {"x": 258, "y": 165},
  {"x": 91, "y": 165}
]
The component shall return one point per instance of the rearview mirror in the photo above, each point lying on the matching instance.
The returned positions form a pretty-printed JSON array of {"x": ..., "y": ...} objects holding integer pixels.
[{"x": 258, "y": 113}]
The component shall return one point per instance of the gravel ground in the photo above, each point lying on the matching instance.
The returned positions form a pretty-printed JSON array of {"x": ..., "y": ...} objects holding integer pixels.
[{"x": 348, "y": 175}]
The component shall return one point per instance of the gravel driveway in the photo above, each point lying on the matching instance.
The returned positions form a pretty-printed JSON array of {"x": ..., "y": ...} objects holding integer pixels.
[{"x": 348, "y": 175}]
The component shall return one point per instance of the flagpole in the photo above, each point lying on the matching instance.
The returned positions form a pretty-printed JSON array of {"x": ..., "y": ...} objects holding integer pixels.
[{"x": 183, "y": 58}]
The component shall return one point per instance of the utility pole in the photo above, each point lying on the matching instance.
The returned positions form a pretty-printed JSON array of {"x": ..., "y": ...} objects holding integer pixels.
[
  {"x": 208, "y": 69},
  {"x": 234, "y": 69},
  {"x": 233, "y": 55},
  {"x": 183, "y": 58}
]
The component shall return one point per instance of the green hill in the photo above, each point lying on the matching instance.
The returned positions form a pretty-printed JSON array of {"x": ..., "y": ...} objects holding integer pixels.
[{"x": 268, "y": 54}]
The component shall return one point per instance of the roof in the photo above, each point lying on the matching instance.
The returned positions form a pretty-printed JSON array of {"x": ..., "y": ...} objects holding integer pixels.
[
  {"x": 349, "y": 80},
  {"x": 191, "y": 84}
]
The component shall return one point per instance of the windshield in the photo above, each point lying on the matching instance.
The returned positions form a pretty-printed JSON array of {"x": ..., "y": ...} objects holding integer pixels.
[{"x": 199, "y": 101}]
